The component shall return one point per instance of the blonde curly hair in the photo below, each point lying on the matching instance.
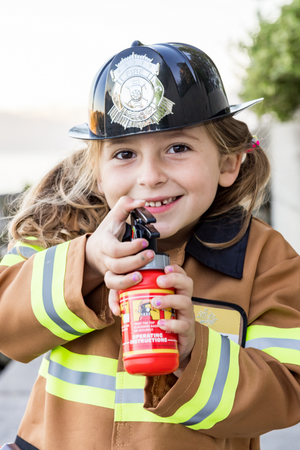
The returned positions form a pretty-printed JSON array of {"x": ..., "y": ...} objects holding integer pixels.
[
  {"x": 249, "y": 190},
  {"x": 65, "y": 204}
]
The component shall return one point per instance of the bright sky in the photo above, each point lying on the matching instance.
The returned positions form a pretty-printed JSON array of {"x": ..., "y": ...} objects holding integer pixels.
[{"x": 50, "y": 50}]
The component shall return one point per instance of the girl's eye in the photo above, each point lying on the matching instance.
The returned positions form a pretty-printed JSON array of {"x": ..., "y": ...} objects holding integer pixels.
[
  {"x": 124, "y": 154},
  {"x": 180, "y": 148}
]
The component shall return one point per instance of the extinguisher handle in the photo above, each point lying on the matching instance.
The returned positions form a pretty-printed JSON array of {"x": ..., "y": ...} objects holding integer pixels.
[
  {"x": 141, "y": 224},
  {"x": 142, "y": 215}
]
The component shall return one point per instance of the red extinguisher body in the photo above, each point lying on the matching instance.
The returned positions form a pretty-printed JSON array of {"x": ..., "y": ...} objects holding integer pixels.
[{"x": 147, "y": 349}]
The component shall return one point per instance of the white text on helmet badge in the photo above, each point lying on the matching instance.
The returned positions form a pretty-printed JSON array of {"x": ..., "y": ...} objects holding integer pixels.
[{"x": 138, "y": 94}]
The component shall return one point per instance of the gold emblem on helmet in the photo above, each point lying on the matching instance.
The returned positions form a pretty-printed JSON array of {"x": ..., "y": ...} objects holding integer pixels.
[{"x": 138, "y": 94}]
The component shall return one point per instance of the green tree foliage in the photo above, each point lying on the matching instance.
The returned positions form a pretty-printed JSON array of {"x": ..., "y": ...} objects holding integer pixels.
[{"x": 274, "y": 71}]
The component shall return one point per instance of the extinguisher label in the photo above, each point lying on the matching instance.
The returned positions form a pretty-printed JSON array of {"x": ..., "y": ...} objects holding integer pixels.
[{"x": 140, "y": 331}]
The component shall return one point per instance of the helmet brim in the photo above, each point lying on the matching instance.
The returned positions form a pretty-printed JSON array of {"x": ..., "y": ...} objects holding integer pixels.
[{"x": 83, "y": 132}]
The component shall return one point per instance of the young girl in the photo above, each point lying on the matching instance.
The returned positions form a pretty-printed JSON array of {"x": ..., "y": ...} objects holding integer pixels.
[{"x": 161, "y": 135}]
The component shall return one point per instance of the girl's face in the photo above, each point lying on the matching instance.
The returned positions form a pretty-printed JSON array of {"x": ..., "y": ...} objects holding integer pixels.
[{"x": 176, "y": 172}]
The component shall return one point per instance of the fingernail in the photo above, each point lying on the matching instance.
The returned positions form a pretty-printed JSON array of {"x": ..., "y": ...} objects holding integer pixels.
[
  {"x": 145, "y": 244},
  {"x": 138, "y": 201},
  {"x": 162, "y": 279},
  {"x": 169, "y": 269},
  {"x": 156, "y": 302},
  {"x": 136, "y": 277},
  {"x": 150, "y": 254},
  {"x": 161, "y": 323}
]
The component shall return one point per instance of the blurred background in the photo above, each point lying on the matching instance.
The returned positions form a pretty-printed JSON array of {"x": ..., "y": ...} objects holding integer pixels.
[{"x": 50, "y": 52}]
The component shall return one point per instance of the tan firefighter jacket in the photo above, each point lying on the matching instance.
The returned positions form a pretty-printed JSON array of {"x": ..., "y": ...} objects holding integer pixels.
[{"x": 243, "y": 377}]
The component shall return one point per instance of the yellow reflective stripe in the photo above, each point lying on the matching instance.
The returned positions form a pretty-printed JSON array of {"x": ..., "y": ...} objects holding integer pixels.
[
  {"x": 31, "y": 238},
  {"x": 134, "y": 412},
  {"x": 210, "y": 371},
  {"x": 129, "y": 390},
  {"x": 285, "y": 356},
  {"x": 130, "y": 400},
  {"x": 43, "y": 370},
  {"x": 18, "y": 253},
  {"x": 87, "y": 379},
  {"x": 127, "y": 381},
  {"x": 47, "y": 294},
  {"x": 37, "y": 299},
  {"x": 262, "y": 331},
  {"x": 281, "y": 343},
  {"x": 90, "y": 363},
  {"x": 19, "y": 246},
  {"x": 60, "y": 305},
  {"x": 11, "y": 260},
  {"x": 226, "y": 404},
  {"x": 212, "y": 402},
  {"x": 80, "y": 394},
  {"x": 214, "y": 398}
]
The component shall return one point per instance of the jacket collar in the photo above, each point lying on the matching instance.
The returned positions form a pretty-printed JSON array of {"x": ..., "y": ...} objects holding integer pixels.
[{"x": 229, "y": 261}]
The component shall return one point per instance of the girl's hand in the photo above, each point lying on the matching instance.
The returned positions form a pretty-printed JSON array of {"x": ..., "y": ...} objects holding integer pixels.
[
  {"x": 105, "y": 254},
  {"x": 184, "y": 325}
]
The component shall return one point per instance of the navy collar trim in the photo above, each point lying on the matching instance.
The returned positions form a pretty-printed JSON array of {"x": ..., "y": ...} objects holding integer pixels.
[{"x": 229, "y": 261}]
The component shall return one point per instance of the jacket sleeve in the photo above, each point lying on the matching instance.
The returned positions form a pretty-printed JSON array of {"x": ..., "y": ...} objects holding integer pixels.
[
  {"x": 41, "y": 303},
  {"x": 229, "y": 391}
]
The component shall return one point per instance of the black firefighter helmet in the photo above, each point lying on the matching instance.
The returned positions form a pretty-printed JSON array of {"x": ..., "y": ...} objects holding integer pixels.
[{"x": 155, "y": 88}]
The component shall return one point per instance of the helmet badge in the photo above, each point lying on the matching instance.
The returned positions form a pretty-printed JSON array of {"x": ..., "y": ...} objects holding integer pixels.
[{"x": 138, "y": 94}]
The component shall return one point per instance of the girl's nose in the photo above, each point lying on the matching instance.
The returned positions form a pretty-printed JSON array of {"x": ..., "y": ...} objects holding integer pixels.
[{"x": 152, "y": 173}]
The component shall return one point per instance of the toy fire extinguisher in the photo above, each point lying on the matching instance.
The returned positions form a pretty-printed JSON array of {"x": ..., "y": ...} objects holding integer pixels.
[{"x": 147, "y": 349}]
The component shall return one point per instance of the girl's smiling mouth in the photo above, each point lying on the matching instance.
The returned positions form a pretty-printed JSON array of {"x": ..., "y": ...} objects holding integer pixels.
[{"x": 161, "y": 205}]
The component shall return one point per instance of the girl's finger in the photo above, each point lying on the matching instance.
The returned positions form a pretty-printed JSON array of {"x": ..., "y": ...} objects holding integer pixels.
[
  {"x": 113, "y": 302},
  {"x": 119, "y": 282},
  {"x": 174, "y": 268},
  {"x": 129, "y": 263},
  {"x": 180, "y": 327},
  {"x": 178, "y": 280},
  {"x": 113, "y": 248},
  {"x": 114, "y": 222},
  {"x": 181, "y": 303},
  {"x": 122, "y": 208}
]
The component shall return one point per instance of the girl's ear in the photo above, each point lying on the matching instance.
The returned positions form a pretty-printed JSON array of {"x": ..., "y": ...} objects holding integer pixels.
[{"x": 230, "y": 168}]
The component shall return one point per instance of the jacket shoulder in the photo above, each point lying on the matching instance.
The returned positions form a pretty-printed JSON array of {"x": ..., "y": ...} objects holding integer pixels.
[
  {"x": 261, "y": 229},
  {"x": 267, "y": 245}
]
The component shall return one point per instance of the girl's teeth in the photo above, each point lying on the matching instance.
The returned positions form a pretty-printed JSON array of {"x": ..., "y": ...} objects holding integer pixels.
[{"x": 164, "y": 202}]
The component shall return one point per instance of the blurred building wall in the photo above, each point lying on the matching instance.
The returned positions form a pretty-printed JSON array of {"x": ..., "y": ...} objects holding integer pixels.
[{"x": 285, "y": 186}]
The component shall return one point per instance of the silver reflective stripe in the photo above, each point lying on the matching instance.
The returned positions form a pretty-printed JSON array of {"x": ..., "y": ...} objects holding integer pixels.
[
  {"x": 130, "y": 396},
  {"x": 264, "y": 343},
  {"x": 47, "y": 355},
  {"x": 47, "y": 294},
  {"x": 218, "y": 387},
  {"x": 26, "y": 252},
  {"x": 91, "y": 379}
]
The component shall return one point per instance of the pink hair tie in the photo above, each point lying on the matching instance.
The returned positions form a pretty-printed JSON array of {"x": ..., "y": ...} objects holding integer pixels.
[{"x": 255, "y": 143}]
